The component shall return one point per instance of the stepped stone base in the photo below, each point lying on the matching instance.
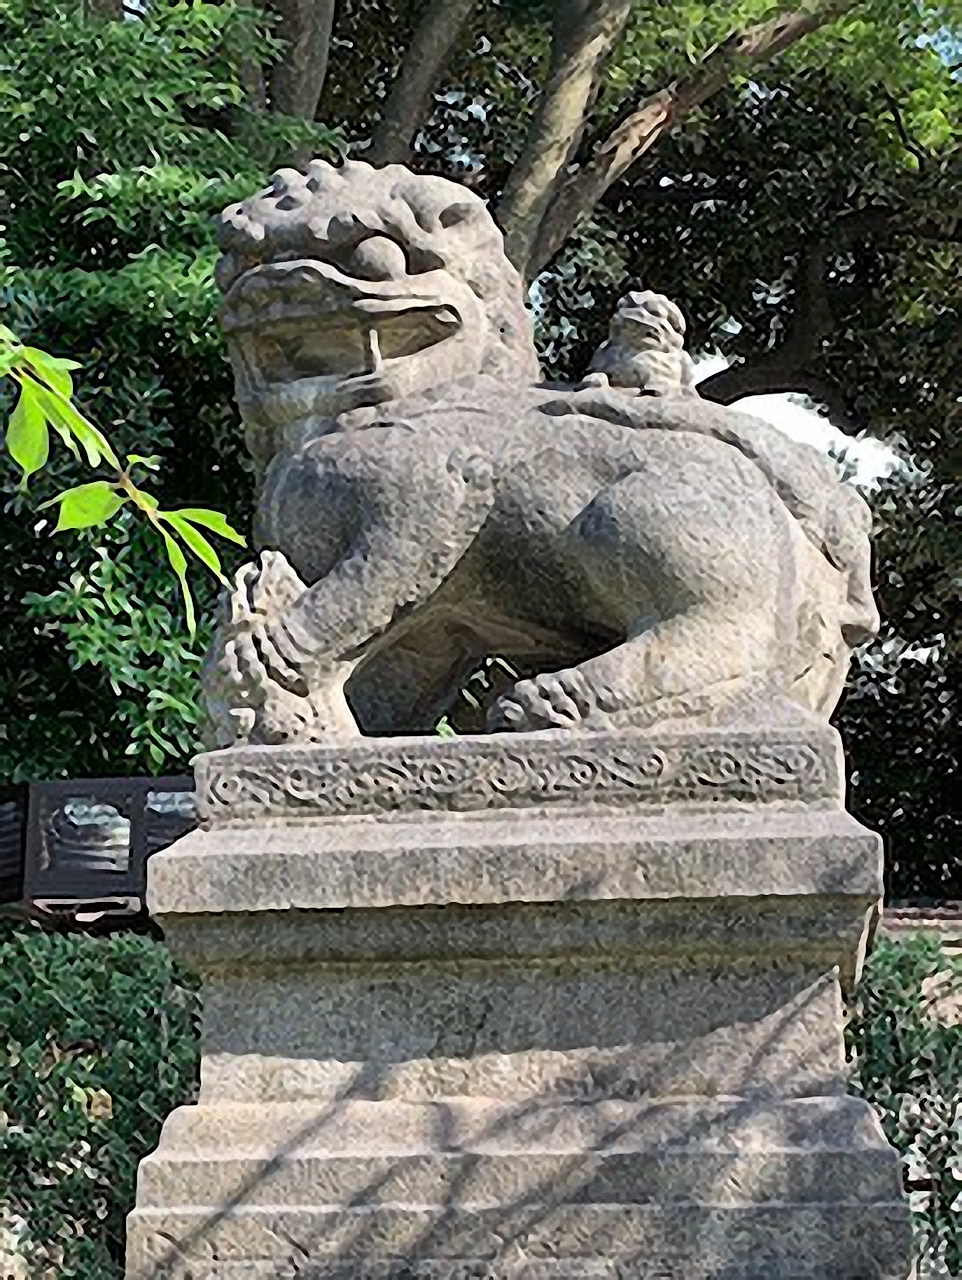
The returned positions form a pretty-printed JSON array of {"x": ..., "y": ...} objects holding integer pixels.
[{"x": 528, "y": 1006}]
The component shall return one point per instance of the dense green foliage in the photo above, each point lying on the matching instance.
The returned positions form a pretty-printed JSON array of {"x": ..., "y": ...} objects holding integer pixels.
[
  {"x": 101, "y": 1043},
  {"x": 908, "y": 1065},
  {"x": 45, "y": 412},
  {"x": 119, "y": 142},
  {"x": 806, "y": 221}
]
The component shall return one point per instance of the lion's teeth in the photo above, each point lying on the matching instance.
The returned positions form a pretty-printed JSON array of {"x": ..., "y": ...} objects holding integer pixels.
[{"x": 374, "y": 359}]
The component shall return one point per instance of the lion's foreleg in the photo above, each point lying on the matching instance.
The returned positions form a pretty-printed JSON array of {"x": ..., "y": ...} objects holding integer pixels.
[{"x": 417, "y": 524}]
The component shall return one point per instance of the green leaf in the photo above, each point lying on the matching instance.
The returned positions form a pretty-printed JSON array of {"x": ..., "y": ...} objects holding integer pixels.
[
  {"x": 72, "y": 427},
  {"x": 214, "y": 521},
  {"x": 76, "y": 1092},
  {"x": 146, "y": 501},
  {"x": 178, "y": 562},
  {"x": 152, "y": 462},
  {"x": 87, "y": 505},
  {"x": 28, "y": 440},
  {"x": 194, "y": 540},
  {"x": 54, "y": 370}
]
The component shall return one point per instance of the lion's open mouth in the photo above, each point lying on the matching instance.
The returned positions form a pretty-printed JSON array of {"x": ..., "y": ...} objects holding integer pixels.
[
  {"x": 345, "y": 345},
  {"x": 307, "y": 320}
]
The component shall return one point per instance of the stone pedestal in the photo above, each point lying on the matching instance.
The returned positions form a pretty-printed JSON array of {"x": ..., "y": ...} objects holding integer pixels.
[{"x": 523, "y": 1006}]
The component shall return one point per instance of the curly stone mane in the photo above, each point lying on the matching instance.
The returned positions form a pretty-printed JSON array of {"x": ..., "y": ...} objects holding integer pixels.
[{"x": 327, "y": 211}]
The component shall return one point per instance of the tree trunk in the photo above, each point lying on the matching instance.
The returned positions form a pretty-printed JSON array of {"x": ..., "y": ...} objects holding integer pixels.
[
  {"x": 661, "y": 112},
  {"x": 103, "y": 8},
  {"x": 427, "y": 55},
  {"x": 793, "y": 364},
  {"x": 585, "y": 32},
  {"x": 787, "y": 366},
  {"x": 298, "y": 78}
]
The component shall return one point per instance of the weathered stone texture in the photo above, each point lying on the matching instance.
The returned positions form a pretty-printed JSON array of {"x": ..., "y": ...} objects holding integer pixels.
[
  {"x": 494, "y": 1035},
  {"x": 553, "y": 1003},
  {"x": 638, "y": 554}
]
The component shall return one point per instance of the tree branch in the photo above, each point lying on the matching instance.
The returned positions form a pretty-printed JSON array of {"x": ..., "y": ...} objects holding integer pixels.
[
  {"x": 298, "y": 78},
  {"x": 103, "y": 9},
  {"x": 665, "y": 110},
  {"x": 790, "y": 366},
  {"x": 768, "y": 375},
  {"x": 900, "y": 129},
  {"x": 585, "y": 32},
  {"x": 434, "y": 40},
  {"x": 779, "y": 369}
]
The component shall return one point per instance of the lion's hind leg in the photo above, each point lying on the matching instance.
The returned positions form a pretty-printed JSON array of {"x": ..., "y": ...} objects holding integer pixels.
[{"x": 689, "y": 555}]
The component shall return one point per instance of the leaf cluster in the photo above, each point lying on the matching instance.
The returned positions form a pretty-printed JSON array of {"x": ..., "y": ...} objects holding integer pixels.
[
  {"x": 100, "y": 1044},
  {"x": 907, "y": 1059},
  {"x": 142, "y": 124},
  {"x": 115, "y": 616},
  {"x": 44, "y": 403},
  {"x": 135, "y": 134}
]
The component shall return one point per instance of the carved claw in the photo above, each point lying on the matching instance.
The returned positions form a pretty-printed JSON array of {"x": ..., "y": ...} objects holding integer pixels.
[
  {"x": 259, "y": 648},
  {"x": 555, "y": 700},
  {"x": 262, "y": 690},
  {"x": 258, "y": 657}
]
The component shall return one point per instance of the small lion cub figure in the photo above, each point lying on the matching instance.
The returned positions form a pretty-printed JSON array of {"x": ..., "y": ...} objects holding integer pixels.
[{"x": 645, "y": 349}]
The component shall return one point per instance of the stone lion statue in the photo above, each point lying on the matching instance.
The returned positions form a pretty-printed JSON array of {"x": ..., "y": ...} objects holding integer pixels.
[{"x": 638, "y": 554}]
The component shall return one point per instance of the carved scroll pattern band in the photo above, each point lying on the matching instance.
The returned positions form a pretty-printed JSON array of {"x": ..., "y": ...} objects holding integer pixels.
[{"x": 300, "y": 781}]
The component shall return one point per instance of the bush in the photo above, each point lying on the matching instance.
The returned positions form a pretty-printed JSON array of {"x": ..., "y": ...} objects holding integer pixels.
[
  {"x": 119, "y": 143},
  {"x": 908, "y": 1065},
  {"x": 101, "y": 1043}
]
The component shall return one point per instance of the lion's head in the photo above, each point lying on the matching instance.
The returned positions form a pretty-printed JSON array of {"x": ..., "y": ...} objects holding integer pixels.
[{"x": 354, "y": 285}]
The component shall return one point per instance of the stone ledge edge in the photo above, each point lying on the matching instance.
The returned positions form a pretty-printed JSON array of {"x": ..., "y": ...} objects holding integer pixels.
[{"x": 618, "y": 769}]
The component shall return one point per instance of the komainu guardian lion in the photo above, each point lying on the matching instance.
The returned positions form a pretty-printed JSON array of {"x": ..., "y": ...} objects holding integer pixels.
[{"x": 641, "y": 554}]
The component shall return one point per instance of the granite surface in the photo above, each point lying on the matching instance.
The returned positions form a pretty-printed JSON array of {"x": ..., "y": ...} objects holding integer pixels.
[
  {"x": 524, "y": 1031},
  {"x": 634, "y": 553}
]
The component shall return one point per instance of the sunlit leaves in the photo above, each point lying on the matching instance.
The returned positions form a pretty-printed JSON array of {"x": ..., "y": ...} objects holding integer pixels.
[
  {"x": 28, "y": 440},
  {"x": 115, "y": 266},
  {"x": 181, "y": 526},
  {"x": 54, "y": 370},
  {"x": 117, "y": 621},
  {"x": 880, "y": 46},
  {"x": 173, "y": 79},
  {"x": 87, "y": 506},
  {"x": 73, "y": 428},
  {"x": 44, "y": 401},
  {"x": 178, "y": 562},
  {"x": 212, "y": 520},
  {"x": 45, "y": 387},
  {"x": 192, "y": 538}
]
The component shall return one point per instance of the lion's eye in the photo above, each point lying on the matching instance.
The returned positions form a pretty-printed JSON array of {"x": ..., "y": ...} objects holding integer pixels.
[{"x": 378, "y": 258}]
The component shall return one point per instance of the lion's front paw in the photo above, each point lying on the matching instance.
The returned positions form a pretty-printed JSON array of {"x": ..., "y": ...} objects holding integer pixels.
[
  {"x": 556, "y": 700},
  {"x": 285, "y": 717}
]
